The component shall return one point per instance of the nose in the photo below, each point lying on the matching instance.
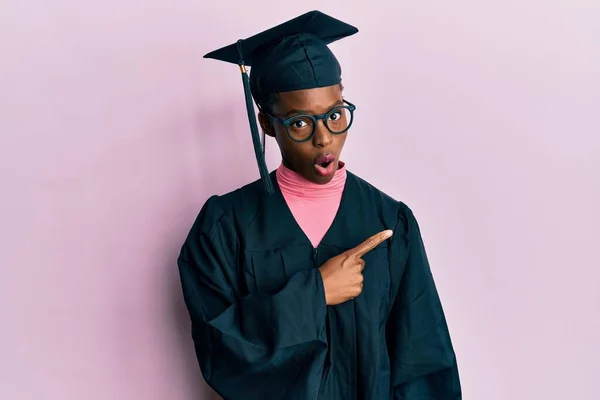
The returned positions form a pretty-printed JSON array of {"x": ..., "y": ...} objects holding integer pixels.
[{"x": 322, "y": 137}]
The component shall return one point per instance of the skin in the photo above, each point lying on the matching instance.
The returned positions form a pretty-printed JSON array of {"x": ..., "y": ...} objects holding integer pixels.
[
  {"x": 342, "y": 275},
  {"x": 300, "y": 157}
]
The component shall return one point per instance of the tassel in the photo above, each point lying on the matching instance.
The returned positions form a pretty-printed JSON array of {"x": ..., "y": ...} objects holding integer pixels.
[{"x": 259, "y": 150}]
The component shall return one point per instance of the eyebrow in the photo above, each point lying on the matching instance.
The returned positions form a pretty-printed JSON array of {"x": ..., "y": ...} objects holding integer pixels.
[{"x": 297, "y": 111}]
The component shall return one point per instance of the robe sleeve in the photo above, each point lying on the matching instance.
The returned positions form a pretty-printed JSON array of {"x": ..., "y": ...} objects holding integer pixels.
[
  {"x": 254, "y": 346},
  {"x": 423, "y": 362}
]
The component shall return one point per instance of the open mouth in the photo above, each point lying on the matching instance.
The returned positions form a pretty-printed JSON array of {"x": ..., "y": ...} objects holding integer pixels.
[
  {"x": 325, "y": 160},
  {"x": 325, "y": 165}
]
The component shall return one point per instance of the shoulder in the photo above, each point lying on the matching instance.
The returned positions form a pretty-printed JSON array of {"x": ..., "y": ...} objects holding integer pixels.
[
  {"x": 396, "y": 215},
  {"x": 229, "y": 207},
  {"x": 380, "y": 200},
  {"x": 393, "y": 213}
]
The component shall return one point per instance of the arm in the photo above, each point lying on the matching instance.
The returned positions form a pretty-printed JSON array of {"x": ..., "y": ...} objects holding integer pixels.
[
  {"x": 422, "y": 357},
  {"x": 256, "y": 346}
]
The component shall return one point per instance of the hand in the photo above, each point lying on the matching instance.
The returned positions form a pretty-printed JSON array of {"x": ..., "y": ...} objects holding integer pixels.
[{"x": 342, "y": 274}]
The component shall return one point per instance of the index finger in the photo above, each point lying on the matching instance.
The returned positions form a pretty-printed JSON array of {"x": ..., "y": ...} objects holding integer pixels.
[{"x": 371, "y": 243}]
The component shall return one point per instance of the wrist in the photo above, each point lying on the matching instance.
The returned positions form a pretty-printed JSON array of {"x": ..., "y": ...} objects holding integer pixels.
[{"x": 324, "y": 283}]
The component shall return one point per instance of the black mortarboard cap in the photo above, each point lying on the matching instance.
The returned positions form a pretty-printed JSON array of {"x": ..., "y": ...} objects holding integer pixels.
[{"x": 290, "y": 56}]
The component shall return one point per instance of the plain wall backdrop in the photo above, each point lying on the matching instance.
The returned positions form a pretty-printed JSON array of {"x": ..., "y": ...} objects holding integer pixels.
[{"x": 483, "y": 116}]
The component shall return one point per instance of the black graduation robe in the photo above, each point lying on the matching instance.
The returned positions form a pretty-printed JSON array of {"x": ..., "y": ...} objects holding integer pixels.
[{"x": 260, "y": 324}]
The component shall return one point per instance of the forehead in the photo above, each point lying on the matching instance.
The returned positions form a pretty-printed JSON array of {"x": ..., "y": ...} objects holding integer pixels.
[{"x": 315, "y": 100}]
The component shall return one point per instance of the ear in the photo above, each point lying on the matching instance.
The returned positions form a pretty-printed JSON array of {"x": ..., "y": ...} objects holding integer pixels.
[{"x": 265, "y": 124}]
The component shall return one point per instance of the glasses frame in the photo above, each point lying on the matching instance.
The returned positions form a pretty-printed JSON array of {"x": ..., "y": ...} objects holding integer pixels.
[{"x": 315, "y": 118}]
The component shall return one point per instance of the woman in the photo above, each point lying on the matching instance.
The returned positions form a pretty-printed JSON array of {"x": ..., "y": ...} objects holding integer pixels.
[{"x": 310, "y": 283}]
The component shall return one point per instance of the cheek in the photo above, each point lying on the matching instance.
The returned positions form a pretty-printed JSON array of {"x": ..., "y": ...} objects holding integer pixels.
[
  {"x": 282, "y": 138},
  {"x": 281, "y": 134},
  {"x": 286, "y": 145},
  {"x": 297, "y": 152},
  {"x": 340, "y": 140}
]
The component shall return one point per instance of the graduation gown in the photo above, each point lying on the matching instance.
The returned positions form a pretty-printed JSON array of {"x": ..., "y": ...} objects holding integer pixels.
[{"x": 260, "y": 324}]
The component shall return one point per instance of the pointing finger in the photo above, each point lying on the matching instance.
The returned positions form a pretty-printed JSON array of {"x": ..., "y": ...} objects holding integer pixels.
[{"x": 371, "y": 243}]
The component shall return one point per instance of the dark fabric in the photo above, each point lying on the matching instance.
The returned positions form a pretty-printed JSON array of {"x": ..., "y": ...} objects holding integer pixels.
[
  {"x": 260, "y": 324},
  {"x": 297, "y": 62},
  {"x": 290, "y": 56}
]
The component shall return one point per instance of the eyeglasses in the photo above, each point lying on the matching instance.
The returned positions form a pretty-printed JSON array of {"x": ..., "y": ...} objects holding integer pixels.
[{"x": 301, "y": 127}]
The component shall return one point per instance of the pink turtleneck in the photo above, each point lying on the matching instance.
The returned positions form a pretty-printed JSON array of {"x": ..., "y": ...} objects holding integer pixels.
[{"x": 313, "y": 206}]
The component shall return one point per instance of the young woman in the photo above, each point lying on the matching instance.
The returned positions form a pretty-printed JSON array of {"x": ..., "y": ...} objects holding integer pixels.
[{"x": 311, "y": 283}]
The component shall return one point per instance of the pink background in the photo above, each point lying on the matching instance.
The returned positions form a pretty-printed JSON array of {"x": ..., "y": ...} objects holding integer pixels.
[{"x": 483, "y": 116}]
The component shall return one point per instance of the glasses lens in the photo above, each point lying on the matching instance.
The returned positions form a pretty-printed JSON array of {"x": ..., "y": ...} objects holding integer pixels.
[
  {"x": 301, "y": 128},
  {"x": 339, "y": 119}
]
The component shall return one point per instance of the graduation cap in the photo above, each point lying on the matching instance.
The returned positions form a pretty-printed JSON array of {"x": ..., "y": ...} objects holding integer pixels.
[{"x": 290, "y": 56}]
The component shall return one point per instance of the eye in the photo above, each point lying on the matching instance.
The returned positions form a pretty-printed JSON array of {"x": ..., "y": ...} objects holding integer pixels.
[
  {"x": 298, "y": 124},
  {"x": 335, "y": 116}
]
